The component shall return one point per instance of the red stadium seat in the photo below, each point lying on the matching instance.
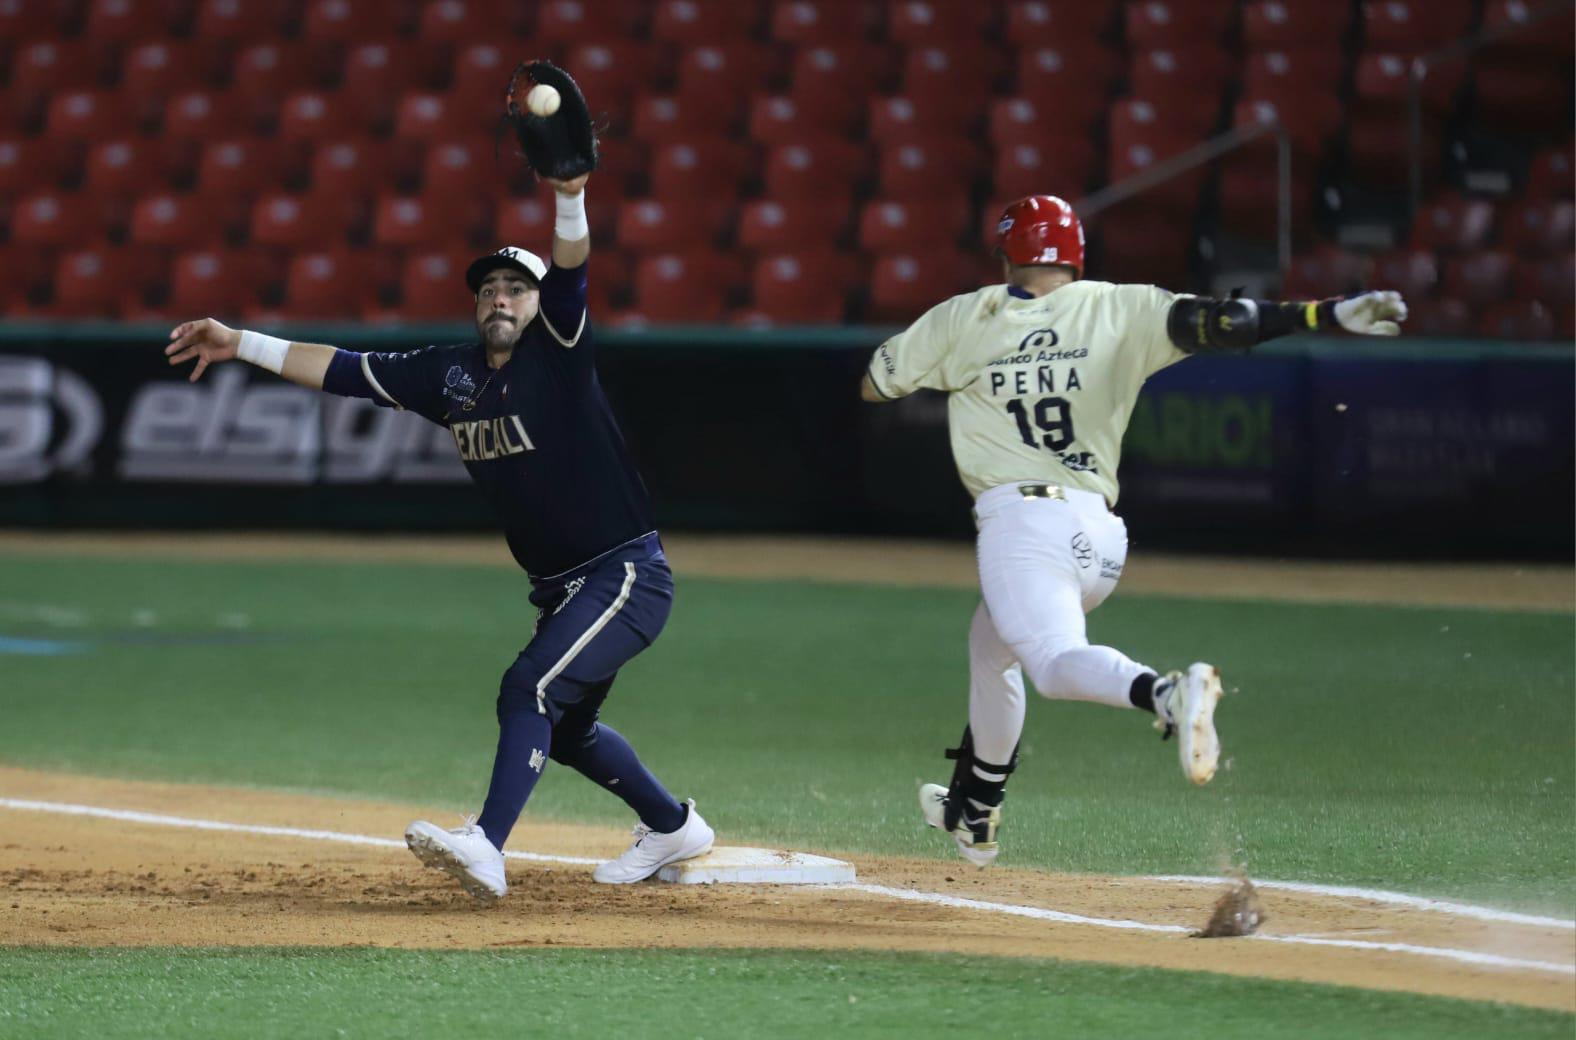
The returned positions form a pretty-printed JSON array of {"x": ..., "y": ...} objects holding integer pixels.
[
  {"x": 522, "y": 221},
  {"x": 1049, "y": 24},
  {"x": 1018, "y": 120},
  {"x": 959, "y": 77},
  {"x": 1540, "y": 228},
  {"x": 247, "y": 165},
  {"x": 1295, "y": 24},
  {"x": 1276, "y": 75},
  {"x": 1411, "y": 272},
  {"x": 203, "y": 115},
  {"x": 1479, "y": 278},
  {"x": 87, "y": 115},
  {"x": 213, "y": 281},
  {"x": 1551, "y": 280},
  {"x": 1326, "y": 271},
  {"x": 1066, "y": 75},
  {"x": 33, "y": 163},
  {"x": 1197, "y": 73},
  {"x": 799, "y": 288},
  {"x": 811, "y": 168},
  {"x": 930, "y": 166},
  {"x": 1309, "y": 120},
  {"x": 97, "y": 282},
  {"x": 694, "y": 22},
  {"x": 733, "y": 71},
  {"x": 902, "y": 119},
  {"x": 1451, "y": 223},
  {"x": 1141, "y": 119},
  {"x": 378, "y": 73},
  {"x": 771, "y": 226},
  {"x": 1518, "y": 319},
  {"x": 651, "y": 225},
  {"x": 427, "y": 116},
  {"x": 903, "y": 225},
  {"x": 461, "y": 167},
  {"x": 1548, "y": 38},
  {"x": 1437, "y": 318},
  {"x": 315, "y": 115},
  {"x": 701, "y": 168},
  {"x": 1140, "y": 244},
  {"x": 777, "y": 119},
  {"x": 1379, "y": 153},
  {"x": 613, "y": 72},
  {"x": 241, "y": 19},
  {"x": 480, "y": 72},
  {"x": 1249, "y": 193},
  {"x": 816, "y": 22},
  {"x": 1172, "y": 23},
  {"x": 20, "y": 20},
  {"x": 621, "y": 163},
  {"x": 1550, "y": 176},
  {"x": 458, "y": 22},
  {"x": 315, "y": 220},
  {"x": 265, "y": 73},
  {"x": 43, "y": 67},
  {"x": 346, "y": 20},
  {"x": 1515, "y": 95},
  {"x": 350, "y": 166},
  {"x": 837, "y": 79},
  {"x": 1138, "y": 148},
  {"x": 905, "y": 285},
  {"x": 1060, "y": 168},
  {"x": 153, "y": 72},
  {"x": 573, "y": 21},
  {"x": 432, "y": 287},
  {"x": 929, "y": 23},
  {"x": 1384, "y": 81},
  {"x": 181, "y": 221},
  {"x": 681, "y": 287},
  {"x": 1415, "y": 26},
  {"x": 426, "y": 221},
  {"x": 127, "y": 167},
  {"x": 333, "y": 285},
  {"x": 123, "y": 20},
  {"x": 662, "y": 118}
]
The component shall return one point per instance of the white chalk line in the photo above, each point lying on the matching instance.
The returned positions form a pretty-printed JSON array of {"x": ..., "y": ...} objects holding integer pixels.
[
  {"x": 1375, "y": 895},
  {"x": 905, "y": 894}
]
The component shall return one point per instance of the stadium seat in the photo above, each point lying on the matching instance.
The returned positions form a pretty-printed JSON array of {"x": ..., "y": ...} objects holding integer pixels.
[
  {"x": 479, "y": 75},
  {"x": 1414, "y": 273},
  {"x": 573, "y": 21},
  {"x": 1540, "y": 228},
  {"x": 1452, "y": 223},
  {"x": 88, "y": 115},
  {"x": 701, "y": 168},
  {"x": 427, "y": 221},
  {"x": 909, "y": 224},
  {"x": 929, "y": 167},
  {"x": 1140, "y": 120},
  {"x": 427, "y": 116},
  {"x": 811, "y": 168},
  {"x": 1551, "y": 174},
  {"x": 817, "y": 22},
  {"x": 1174, "y": 23},
  {"x": 1276, "y": 75},
  {"x": 837, "y": 80},
  {"x": 127, "y": 167},
  {"x": 330, "y": 285},
  {"x": 1548, "y": 38},
  {"x": 1065, "y": 75},
  {"x": 378, "y": 73},
  {"x": 1552, "y": 280},
  {"x": 1143, "y": 244},
  {"x": 1479, "y": 278},
  {"x": 1415, "y": 26},
  {"x": 43, "y": 67},
  {"x": 1063, "y": 167},
  {"x": 350, "y": 166},
  {"x": 124, "y": 20},
  {"x": 315, "y": 115},
  {"x": 266, "y": 73},
  {"x": 666, "y": 117},
  {"x": 681, "y": 287},
  {"x": 182, "y": 221},
  {"x": 1198, "y": 74},
  {"x": 621, "y": 164},
  {"x": 1517, "y": 97},
  {"x": 203, "y": 115},
  {"x": 458, "y": 22},
  {"x": 652, "y": 225},
  {"x": 247, "y": 165},
  {"x": 767, "y": 225},
  {"x": 153, "y": 72},
  {"x": 1378, "y": 150},
  {"x": 345, "y": 21},
  {"x": 1049, "y": 24},
  {"x": 96, "y": 282},
  {"x": 241, "y": 19},
  {"x": 34, "y": 164},
  {"x": 901, "y": 119},
  {"x": 1310, "y": 120},
  {"x": 613, "y": 72},
  {"x": 930, "y": 23},
  {"x": 526, "y": 222},
  {"x": 957, "y": 77},
  {"x": 1325, "y": 271},
  {"x": 213, "y": 281},
  {"x": 696, "y": 22},
  {"x": 803, "y": 288},
  {"x": 905, "y": 285},
  {"x": 1249, "y": 193},
  {"x": 1295, "y": 24},
  {"x": 732, "y": 71},
  {"x": 432, "y": 287},
  {"x": 460, "y": 168},
  {"x": 313, "y": 220},
  {"x": 1518, "y": 319},
  {"x": 1444, "y": 317},
  {"x": 1018, "y": 120},
  {"x": 1139, "y": 149},
  {"x": 1384, "y": 82},
  {"x": 777, "y": 119},
  {"x": 20, "y": 20}
]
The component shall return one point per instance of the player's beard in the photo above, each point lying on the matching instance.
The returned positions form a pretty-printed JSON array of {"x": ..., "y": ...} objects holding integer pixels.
[{"x": 500, "y": 334}]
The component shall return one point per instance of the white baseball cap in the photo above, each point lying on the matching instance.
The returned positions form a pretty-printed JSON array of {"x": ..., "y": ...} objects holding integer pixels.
[{"x": 512, "y": 257}]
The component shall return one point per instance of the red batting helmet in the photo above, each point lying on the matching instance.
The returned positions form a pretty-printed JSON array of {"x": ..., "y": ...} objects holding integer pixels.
[{"x": 1041, "y": 229}]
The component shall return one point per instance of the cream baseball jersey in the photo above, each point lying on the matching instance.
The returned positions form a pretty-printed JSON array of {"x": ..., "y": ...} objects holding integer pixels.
[{"x": 1041, "y": 387}]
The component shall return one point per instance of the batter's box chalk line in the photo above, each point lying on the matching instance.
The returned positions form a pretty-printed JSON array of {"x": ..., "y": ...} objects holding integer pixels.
[{"x": 1472, "y": 957}]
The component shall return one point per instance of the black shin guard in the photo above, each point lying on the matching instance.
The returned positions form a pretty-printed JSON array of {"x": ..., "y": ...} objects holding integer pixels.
[{"x": 966, "y": 784}]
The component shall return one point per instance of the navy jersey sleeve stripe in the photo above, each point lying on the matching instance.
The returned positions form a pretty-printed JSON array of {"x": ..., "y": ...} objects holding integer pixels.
[
  {"x": 366, "y": 370},
  {"x": 563, "y": 302}
]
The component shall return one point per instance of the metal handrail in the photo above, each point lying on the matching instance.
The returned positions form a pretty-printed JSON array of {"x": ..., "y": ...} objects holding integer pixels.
[
  {"x": 1459, "y": 49},
  {"x": 1210, "y": 150}
]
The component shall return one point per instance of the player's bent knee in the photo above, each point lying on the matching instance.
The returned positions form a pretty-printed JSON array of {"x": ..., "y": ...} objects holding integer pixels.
[
  {"x": 517, "y": 691},
  {"x": 571, "y": 740}
]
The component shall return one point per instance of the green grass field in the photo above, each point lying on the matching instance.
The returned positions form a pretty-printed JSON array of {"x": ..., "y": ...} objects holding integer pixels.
[{"x": 1426, "y": 750}]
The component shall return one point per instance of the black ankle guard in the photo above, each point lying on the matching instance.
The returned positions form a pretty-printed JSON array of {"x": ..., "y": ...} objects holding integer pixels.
[{"x": 966, "y": 785}]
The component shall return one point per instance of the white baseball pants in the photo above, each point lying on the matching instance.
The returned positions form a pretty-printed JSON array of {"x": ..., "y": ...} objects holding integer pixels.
[{"x": 1044, "y": 563}]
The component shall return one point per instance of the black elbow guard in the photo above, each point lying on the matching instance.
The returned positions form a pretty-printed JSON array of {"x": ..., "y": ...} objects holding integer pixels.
[{"x": 1202, "y": 323}]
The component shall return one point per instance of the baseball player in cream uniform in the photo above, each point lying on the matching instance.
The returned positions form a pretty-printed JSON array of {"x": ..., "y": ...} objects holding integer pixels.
[{"x": 1043, "y": 373}]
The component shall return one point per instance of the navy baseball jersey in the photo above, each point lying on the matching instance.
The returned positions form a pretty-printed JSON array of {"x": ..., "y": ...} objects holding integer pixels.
[{"x": 537, "y": 435}]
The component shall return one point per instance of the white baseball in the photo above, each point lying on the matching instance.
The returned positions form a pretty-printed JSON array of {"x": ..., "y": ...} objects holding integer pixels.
[{"x": 542, "y": 100}]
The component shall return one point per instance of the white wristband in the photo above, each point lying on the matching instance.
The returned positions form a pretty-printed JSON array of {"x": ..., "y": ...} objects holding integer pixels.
[
  {"x": 263, "y": 351},
  {"x": 571, "y": 224}
]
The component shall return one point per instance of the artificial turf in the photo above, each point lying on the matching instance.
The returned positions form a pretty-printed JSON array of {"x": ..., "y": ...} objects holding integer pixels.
[
  {"x": 684, "y": 993},
  {"x": 1420, "y": 749}
]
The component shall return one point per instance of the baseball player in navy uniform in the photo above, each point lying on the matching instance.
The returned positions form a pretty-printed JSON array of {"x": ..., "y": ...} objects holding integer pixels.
[{"x": 534, "y": 430}]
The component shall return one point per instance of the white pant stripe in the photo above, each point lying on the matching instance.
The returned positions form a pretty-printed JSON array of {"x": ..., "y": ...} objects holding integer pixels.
[{"x": 585, "y": 638}]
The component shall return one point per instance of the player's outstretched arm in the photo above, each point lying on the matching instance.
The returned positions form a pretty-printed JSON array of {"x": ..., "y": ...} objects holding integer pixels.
[
  {"x": 1202, "y": 323},
  {"x": 571, "y": 234},
  {"x": 209, "y": 342}
]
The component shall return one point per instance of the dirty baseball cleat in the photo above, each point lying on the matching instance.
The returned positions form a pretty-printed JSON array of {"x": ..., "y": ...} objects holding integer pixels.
[
  {"x": 1185, "y": 705},
  {"x": 975, "y": 833},
  {"x": 463, "y": 852},
  {"x": 651, "y": 850}
]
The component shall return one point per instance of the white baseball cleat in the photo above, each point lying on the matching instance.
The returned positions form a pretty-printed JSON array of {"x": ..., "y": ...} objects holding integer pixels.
[
  {"x": 975, "y": 836},
  {"x": 651, "y": 850},
  {"x": 1186, "y": 707},
  {"x": 465, "y": 853}
]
